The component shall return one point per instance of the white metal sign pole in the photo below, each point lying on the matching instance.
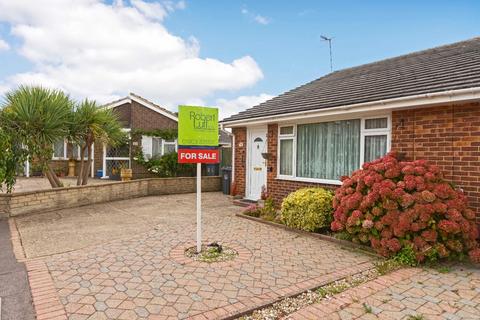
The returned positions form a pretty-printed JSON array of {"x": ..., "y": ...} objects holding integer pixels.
[{"x": 199, "y": 207}]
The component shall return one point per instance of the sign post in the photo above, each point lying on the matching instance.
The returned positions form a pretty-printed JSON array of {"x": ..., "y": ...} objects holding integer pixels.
[{"x": 198, "y": 143}]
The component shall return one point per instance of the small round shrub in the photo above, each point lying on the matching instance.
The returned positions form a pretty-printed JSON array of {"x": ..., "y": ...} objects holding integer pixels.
[
  {"x": 308, "y": 209},
  {"x": 394, "y": 204}
]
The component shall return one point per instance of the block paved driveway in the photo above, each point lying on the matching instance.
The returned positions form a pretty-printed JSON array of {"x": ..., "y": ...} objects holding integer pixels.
[
  {"x": 406, "y": 294},
  {"x": 131, "y": 267}
]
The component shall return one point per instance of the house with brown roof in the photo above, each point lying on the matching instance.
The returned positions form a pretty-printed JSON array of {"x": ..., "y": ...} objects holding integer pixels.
[
  {"x": 424, "y": 105},
  {"x": 137, "y": 114}
]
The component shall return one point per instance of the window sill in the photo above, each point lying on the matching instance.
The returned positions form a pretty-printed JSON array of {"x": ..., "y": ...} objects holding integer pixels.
[{"x": 312, "y": 180}]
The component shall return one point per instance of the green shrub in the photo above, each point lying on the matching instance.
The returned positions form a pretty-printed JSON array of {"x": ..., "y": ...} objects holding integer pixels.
[
  {"x": 268, "y": 212},
  {"x": 308, "y": 209}
]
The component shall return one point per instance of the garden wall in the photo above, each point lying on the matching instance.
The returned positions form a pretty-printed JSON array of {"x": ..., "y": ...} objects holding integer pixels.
[{"x": 54, "y": 199}]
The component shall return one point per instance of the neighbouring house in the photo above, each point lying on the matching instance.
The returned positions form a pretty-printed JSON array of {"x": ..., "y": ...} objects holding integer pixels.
[
  {"x": 424, "y": 105},
  {"x": 137, "y": 114}
]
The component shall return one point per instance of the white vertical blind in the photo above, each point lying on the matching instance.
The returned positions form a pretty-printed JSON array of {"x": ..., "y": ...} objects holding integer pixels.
[{"x": 328, "y": 150}]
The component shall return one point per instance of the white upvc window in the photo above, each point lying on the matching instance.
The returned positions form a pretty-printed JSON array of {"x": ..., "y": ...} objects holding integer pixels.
[
  {"x": 59, "y": 149},
  {"x": 169, "y": 146},
  {"x": 375, "y": 138},
  {"x": 157, "y": 147},
  {"x": 286, "y": 151},
  {"x": 322, "y": 152}
]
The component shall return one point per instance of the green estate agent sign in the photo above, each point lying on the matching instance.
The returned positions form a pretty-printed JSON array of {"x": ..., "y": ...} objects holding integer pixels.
[{"x": 197, "y": 126}]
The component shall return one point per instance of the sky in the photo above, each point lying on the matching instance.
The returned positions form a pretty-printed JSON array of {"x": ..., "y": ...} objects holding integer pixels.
[{"x": 229, "y": 54}]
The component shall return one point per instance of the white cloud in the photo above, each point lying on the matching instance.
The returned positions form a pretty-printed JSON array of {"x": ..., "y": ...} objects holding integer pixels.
[
  {"x": 90, "y": 48},
  {"x": 262, "y": 20},
  {"x": 256, "y": 17},
  {"x": 230, "y": 107},
  {"x": 4, "y": 46}
]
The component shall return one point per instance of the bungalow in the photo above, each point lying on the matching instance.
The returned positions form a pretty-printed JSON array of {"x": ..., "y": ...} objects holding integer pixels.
[
  {"x": 424, "y": 105},
  {"x": 136, "y": 114}
]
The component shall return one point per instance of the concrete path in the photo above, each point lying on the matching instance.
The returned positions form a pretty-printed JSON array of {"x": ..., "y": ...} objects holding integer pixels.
[{"x": 16, "y": 301}]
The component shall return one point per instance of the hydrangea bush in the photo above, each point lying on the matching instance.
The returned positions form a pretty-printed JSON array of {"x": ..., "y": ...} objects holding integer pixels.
[{"x": 393, "y": 204}]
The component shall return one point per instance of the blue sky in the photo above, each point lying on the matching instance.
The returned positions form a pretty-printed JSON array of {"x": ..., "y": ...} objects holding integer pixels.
[{"x": 282, "y": 38}]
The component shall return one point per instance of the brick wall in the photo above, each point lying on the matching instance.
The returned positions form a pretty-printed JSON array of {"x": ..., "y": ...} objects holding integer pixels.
[
  {"x": 277, "y": 188},
  {"x": 240, "y": 161},
  {"x": 55, "y": 199},
  {"x": 446, "y": 135},
  {"x": 136, "y": 116},
  {"x": 146, "y": 119}
]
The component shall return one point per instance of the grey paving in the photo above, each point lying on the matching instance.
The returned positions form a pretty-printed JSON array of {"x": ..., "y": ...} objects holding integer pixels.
[{"x": 16, "y": 301}]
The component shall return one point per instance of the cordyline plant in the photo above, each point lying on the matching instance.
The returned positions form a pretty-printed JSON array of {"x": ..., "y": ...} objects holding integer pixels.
[
  {"x": 37, "y": 117},
  {"x": 395, "y": 205}
]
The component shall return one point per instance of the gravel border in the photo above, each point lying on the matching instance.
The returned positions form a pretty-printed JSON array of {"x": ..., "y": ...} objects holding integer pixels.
[{"x": 283, "y": 308}]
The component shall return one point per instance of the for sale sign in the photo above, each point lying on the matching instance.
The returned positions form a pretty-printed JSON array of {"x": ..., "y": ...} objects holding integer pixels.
[
  {"x": 197, "y": 126},
  {"x": 191, "y": 155},
  {"x": 197, "y": 135}
]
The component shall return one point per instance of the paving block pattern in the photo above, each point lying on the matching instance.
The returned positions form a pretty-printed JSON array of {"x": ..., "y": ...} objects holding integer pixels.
[
  {"x": 143, "y": 277},
  {"x": 403, "y": 294},
  {"x": 44, "y": 294}
]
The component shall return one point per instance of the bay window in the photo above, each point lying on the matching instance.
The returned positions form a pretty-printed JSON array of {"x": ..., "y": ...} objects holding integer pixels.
[{"x": 325, "y": 151}]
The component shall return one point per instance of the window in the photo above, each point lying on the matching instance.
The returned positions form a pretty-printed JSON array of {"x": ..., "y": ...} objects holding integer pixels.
[
  {"x": 375, "y": 138},
  {"x": 59, "y": 149},
  {"x": 156, "y": 147},
  {"x": 286, "y": 138},
  {"x": 169, "y": 146},
  {"x": 326, "y": 151},
  {"x": 76, "y": 150}
]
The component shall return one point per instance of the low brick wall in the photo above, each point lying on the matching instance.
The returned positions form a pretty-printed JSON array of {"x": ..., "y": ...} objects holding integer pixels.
[{"x": 54, "y": 199}]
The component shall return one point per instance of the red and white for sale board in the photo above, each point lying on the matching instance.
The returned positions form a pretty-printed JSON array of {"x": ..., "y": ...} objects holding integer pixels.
[{"x": 198, "y": 155}]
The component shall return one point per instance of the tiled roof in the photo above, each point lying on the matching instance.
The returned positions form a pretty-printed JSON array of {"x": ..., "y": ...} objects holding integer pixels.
[
  {"x": 449, "y": 67},
  {"x": 154, "y": 104},
  {"x": 142, "y": 99}
]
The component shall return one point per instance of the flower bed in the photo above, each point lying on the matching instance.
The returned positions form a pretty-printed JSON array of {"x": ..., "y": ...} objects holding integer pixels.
[{"x": 406, "y": 208}]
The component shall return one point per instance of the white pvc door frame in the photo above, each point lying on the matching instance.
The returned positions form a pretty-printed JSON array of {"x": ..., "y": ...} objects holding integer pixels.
[{"x": 250, "y": 132}]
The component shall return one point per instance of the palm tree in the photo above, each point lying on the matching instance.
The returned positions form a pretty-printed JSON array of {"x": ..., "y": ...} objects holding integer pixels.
[
  {"x": 92, "y": 124},
  {"x": 39, "y": 117}
]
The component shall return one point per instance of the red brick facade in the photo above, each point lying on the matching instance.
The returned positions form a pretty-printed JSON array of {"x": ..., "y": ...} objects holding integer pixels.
[
  {"x": 446, "y": 135},
  {"x": 240, "y": 161},
  {"x": 136, "y": 116}
]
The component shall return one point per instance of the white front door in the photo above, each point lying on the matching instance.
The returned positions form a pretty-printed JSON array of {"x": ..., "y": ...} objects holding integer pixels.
[{"x": 256, "y": 164}]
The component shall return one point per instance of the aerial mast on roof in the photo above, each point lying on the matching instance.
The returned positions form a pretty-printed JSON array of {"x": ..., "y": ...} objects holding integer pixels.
[{"x": 325, "y": 38}]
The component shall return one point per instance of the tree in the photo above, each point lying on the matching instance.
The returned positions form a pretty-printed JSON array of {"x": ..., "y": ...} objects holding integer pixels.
[
  {"x": 91, "y": 124},
  {"x": 39, "y": 117},
  {"x": 11, "y": 155}
]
